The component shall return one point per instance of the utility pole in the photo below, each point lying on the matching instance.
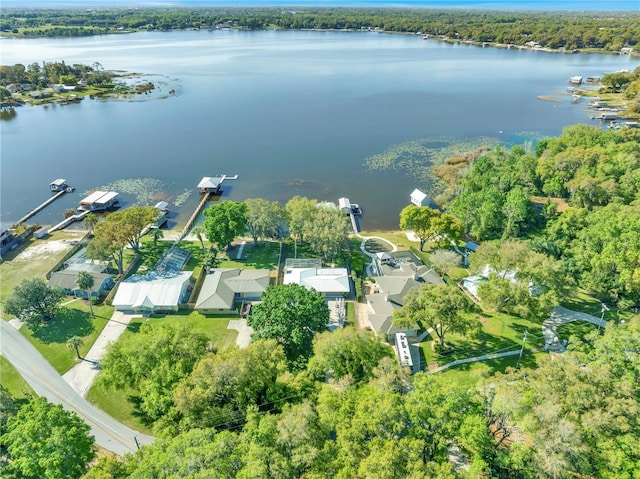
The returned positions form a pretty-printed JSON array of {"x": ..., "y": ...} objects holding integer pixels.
[
  {"x": 604, "y": 308},
  {"x": 524, "y": 340}
]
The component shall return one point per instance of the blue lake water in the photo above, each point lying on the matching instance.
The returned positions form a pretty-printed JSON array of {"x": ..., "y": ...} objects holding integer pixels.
[{"x": 290, "y": 112}]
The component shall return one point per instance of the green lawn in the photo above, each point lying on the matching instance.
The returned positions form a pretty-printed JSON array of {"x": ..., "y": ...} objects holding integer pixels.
[
  {"x": 582, "y": 301},
  {"x": 34, "y": 259},
  {"x": 117, "y": 405},
  {"x": 575, "y": 328},
  {"x": 214, "y": 327},
  {"x": 12, "y": 381},
  {"x": 73, "y": 320},
  {"x": 499, "y": 332},
  {"x": 471, "y": 375}
]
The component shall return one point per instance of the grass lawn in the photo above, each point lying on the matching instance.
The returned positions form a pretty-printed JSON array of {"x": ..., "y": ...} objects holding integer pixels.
[
  {"x": 471, "y": 375},
  {"x": 73, "y": 320},
  {"x": 117, "y": 405},
  {"x": 34, "y": 259},
  {"x": 399, "y": 238},
  {"x": 575, "y": 328},
  {"x": 214, "y": 327},
  {"x": 499, "y": 332},
  {"x": 12, "y": 381},
  {"x": 582, "y": 301}
]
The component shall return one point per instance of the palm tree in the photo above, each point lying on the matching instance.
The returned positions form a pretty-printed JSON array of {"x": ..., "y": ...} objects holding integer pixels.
[
  {"x": 199, "y": 232},
  {"x": 74, "y": 342},
  {"x": 91, "y": 220},
  {"x": 85, "y": 282},
  {"x": 156, "y": 234}
]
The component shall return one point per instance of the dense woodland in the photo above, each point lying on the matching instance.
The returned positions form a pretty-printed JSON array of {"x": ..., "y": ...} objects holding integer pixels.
[{"x": 561, "y": 30}]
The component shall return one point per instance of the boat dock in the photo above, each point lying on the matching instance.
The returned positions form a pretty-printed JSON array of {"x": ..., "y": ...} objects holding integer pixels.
[
  {"x": 41, "y": 206},
  {"x": 194, "y": 215},
  {"x": 67, "y": 221},
  {"x": 353, "y": 210}
]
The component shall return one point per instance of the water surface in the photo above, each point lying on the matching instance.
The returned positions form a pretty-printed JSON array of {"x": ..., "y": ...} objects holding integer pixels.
[{"x": 289, "y": 112}]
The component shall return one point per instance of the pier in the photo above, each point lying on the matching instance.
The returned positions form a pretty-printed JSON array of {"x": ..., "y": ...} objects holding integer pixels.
[
  {"x": 353, "y": 210},
  {"x": 67, "y": 221},
  {"x": 194, "y": 215},
  {"x": 41, "y": 207}
]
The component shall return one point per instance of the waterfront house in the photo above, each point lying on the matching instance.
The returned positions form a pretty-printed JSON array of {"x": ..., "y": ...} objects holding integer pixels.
[
  {"x": 66, "y": 279},
  {"x": 156, "y": 292},
  {"x": 332, "y": 283},
  {"x": 224, "y": 288}
]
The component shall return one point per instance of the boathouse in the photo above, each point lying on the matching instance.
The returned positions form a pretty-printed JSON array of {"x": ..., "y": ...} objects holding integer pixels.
[
  {"x": 211, "y": 184},
  {"x": 100, "y": 201},
  {"x": 419, "y": 198},
  {"x": 58, "y": 185}
]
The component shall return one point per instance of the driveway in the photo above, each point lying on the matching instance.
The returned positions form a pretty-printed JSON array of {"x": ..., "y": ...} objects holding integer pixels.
[
  {"x": 81, "y": 376},
  {"x": 45, "y": 381}
]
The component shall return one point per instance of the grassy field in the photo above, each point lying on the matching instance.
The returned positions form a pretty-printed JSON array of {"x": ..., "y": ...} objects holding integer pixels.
[
  {"x": 34, "y": 259},
  {"x": 472, "y": 375},
  {"x": 582, "y": 301},
  {"x": 74, "y": 320},
  {"x": 214, "y": 327},
  {"x": 498, "y": 333},
  {"x": 12, "y": 381}
]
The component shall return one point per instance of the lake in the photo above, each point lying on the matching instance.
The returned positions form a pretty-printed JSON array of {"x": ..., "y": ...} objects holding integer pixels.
[{"x": 292, "y": 113}]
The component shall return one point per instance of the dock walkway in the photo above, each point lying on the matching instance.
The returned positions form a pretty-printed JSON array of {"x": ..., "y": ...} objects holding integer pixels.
[
  {"x": 40, "y": 207},
  {"x": 193, "y": 217},
  {"x": 67, "y": 221}
]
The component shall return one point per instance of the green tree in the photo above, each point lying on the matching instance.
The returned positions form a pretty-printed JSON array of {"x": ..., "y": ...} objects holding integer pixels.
[
  {"x": 85, "y": 282},
  {"x": 263, "y": 218},
  {"x": 74, "y": 342},
  {"x": 347, "y": 351},
  {"x": 222, "y": 386},
  {"x": 157, "y": 235},
  {"x": 328, "y": 232},
  {"x": 429, "y": 224},
  {"x": 224, "y": 221},
  {"x": 198, "y": 230},
  {"x": 440, "y": 307},
  {"x": 445, "y": 260},
  {"x": 292, "y": 315},
  {"x": 91, "y": 220},
  {"x": 45, "y": 441},
  {"x": 151, "y": 363},
  {"x": 33, "y": 302},
  {"x": 300, "y": 210}
]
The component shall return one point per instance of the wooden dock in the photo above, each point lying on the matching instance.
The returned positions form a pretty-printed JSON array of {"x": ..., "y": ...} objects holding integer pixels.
[
  {"x": 67, "y": 221},
  {"x": 355, "y": 224},
  {"x": 192, "y": 218},
  {"x": 40, "y": 207}
]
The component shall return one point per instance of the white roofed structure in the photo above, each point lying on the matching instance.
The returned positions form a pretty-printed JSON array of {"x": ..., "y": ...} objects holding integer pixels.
[
  {"x": 330, "y": 282},
  {"x": 154, "y": 292},
  {"x": 419, "y": 198}
]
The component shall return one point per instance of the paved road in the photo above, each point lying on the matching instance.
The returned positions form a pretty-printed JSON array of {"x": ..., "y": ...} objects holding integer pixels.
[{"x": 46, "y": 382}]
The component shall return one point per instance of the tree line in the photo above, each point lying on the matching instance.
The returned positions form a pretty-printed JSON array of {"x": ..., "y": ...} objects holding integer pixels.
[{"x": 566, "y": 30}]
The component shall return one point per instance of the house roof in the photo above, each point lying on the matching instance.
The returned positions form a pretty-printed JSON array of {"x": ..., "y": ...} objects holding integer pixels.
[
  {"x": 210, "y": 182},
  {"x": 323, "y": 280},
  {"x": 153, "y": 289},
  {"x": 418, "y": 195},
  {"x": 66, "y": 279},
  {"x": 221, "y": 285},
  {"x": 471, "y": 245}
]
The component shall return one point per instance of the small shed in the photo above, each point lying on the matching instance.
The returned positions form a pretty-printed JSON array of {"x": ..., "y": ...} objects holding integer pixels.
[
  {"x": 419, "y": 198},
  {"x": 345, "y": 205},
  {"x": 41, "y": 233},
  {"x": 471, "y": 246}
]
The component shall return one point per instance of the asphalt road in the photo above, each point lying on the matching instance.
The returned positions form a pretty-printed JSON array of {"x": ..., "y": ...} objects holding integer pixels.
[{"x": 45, "y": 381}]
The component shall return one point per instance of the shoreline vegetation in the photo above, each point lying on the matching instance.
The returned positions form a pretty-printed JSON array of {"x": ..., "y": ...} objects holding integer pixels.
[{"x": 567, "y": 32}]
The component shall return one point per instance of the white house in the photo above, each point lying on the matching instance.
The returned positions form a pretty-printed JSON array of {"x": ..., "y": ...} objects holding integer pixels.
[
  {"x": 330, "y": 282},
  {"x": 419, "y": 198},
  {"x": 153, "y": 292}
]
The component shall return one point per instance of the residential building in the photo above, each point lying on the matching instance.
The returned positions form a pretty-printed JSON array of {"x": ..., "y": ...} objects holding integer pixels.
[{"x": 224, "y": 288}]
